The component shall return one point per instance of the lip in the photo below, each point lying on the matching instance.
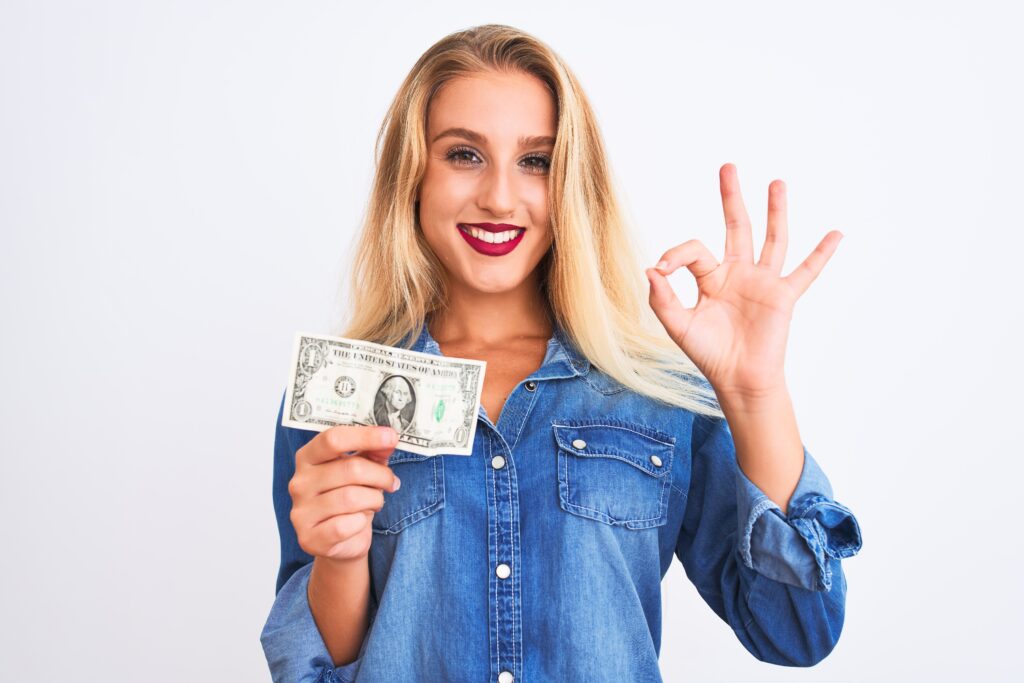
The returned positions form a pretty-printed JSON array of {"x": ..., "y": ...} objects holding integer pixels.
[{"x": 487, "y": 248}]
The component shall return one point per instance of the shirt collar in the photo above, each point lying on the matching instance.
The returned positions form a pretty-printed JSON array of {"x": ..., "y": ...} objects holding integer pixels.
[{"x": 562, "y": 359}]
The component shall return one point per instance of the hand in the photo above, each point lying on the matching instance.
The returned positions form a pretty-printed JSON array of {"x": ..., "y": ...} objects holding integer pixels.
[
  {"x": 339, "y": 480},
  {"x": 736, "y": 333}
]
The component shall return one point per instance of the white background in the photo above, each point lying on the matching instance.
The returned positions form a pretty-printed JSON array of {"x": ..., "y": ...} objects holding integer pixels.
[{"x": 180, "y": 184}]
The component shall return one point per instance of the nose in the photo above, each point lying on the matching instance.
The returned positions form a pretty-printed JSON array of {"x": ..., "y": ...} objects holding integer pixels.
[{"x": 497, "y": 191}]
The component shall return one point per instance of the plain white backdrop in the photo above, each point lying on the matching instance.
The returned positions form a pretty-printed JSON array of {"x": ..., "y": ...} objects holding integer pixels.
[{"x": 180, "y": 186}]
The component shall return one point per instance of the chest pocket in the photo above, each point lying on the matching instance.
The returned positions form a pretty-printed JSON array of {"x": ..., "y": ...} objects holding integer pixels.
[
  {"x": 421, "y": 493},
  {"x": 614, "y": 472}
]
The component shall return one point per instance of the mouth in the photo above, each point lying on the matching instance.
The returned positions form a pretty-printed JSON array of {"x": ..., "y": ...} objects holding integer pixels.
[{"x": 490, "y": 239}]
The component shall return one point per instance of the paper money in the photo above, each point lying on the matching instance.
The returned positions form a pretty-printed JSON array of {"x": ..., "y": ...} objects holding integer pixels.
[{"x": 431, "y": 401}]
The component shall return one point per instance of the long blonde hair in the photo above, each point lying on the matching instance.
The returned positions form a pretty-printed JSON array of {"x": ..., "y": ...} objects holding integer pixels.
[{"x": 591, "y": 277}]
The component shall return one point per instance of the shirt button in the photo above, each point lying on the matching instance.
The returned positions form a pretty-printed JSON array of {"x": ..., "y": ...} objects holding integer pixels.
[
  {"x": 656, "y": 460},
  {"x": 579, "y": 443},
  {"x": 505, "y": 677},
  {"x": 497, "y": 462},
  {"x": 503, "y": 571},
  {"x": 531, "y": 386}
]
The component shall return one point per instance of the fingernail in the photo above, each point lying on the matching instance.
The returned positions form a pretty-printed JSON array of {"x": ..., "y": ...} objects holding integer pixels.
[
  {"x": 662, "y": 265},
  {"x": 397, "y": 485},
  {"x": 387, "y": 436}
]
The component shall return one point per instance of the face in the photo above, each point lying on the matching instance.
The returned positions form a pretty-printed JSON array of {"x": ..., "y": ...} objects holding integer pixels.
[
  {"x": 397, "y": 392},
  {"x": 493, "y": 170}
]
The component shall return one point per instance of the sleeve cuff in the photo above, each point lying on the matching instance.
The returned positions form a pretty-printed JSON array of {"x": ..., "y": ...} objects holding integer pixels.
[
  {"x": 292, "y": 643},
  {"x": 796, "y": 548}
]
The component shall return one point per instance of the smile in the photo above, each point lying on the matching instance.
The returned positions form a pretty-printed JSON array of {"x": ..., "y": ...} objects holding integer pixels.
[{"x": 492, "y": 243}]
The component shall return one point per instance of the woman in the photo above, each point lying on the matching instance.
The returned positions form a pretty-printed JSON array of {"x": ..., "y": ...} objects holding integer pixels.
[{"x": 604, "y": 445}]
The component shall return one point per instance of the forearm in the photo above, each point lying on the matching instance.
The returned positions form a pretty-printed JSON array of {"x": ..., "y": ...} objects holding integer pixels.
[
  {"x": 768, "y": 445},
  {"x": 339, "y": 598}
]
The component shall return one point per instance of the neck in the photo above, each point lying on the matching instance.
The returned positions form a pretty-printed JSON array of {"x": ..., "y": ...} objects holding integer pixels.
[{"x": 484, "y": 319}]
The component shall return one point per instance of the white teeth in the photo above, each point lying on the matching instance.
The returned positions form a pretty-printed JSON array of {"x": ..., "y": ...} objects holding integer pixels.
[{"x": 491, "y": 237}]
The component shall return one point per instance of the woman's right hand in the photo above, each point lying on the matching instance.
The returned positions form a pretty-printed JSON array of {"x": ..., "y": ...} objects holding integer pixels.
[{"x": 339, "y": 483}]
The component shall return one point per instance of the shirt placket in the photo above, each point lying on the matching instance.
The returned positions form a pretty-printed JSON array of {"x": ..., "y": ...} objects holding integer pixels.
[
  {"x": 504, "y": 596},
  {"x": 503, "y": 538}
]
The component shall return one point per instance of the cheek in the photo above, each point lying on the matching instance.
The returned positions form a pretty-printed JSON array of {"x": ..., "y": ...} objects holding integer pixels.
[
  {"x": 536, "y": 198},
  {"x": 539, "y": 212},
  {"x": 443, "y": 191}
]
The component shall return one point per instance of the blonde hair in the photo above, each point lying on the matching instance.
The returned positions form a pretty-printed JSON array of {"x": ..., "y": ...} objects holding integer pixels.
[{"x": 591, "y": 277}]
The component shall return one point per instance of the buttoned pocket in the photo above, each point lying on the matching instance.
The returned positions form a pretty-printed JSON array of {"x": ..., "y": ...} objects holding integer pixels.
[
  {"x": 614, "y": 472},
  {"x": 421, "y": 493}
]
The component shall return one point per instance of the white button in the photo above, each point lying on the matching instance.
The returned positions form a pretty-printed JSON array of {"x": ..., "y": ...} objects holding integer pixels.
[
  {"x": 656, "y": 460},
  {"x": 503, "y": 571},
  {"x": 579, "y": 443},
  {"x": 497, "y": 462},
  {"x": 505, "y": 677}
]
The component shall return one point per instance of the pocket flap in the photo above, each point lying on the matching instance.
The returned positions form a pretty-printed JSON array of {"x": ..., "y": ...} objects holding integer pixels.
[{"x": 646, "y": 448}]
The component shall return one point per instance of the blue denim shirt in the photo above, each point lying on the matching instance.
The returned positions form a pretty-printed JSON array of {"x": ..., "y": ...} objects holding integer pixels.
[{"x": 540, "y": 556}]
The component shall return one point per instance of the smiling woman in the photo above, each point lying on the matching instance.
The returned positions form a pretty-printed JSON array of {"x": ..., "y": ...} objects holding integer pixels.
[{"x": 601, "y": 452}]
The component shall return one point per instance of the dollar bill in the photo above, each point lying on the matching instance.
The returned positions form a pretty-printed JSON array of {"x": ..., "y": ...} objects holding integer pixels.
[{"x": 431, "y": 401}]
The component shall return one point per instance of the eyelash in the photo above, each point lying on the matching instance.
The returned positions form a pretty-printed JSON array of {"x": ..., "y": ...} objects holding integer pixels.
[{"x": 452, "y": 153}]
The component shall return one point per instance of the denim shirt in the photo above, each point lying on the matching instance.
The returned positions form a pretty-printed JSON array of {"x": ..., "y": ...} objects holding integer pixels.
[{"x": 540, "y": 556}]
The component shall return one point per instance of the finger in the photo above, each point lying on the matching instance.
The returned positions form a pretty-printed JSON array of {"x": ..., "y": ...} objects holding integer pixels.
[
  {"x": 738, "y": 242},
  {"x": 324, "y": 536},
  {"x": 692, "y": 255},
  {"x": 776, "y": 237},
  {"x": 342, "y": 501},
  {"x": 667, "y": 307},
  {"x": 354, "y": 471},
  {"x": 334, "y": 442},
  {"x": 378, "y": 455},
  {"x": 804, "y": 274}
]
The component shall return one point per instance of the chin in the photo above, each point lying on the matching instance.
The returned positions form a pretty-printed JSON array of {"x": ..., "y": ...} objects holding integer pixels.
[{"x": 495, "y": 285}]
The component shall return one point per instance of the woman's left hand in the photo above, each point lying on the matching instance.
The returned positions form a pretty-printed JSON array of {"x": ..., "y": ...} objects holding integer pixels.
[{"x": 736, "y": 333}]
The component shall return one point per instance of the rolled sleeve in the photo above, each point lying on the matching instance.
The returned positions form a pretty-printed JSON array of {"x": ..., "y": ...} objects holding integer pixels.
[
  {"x": 795, "y": 548},
  {"x": 780, "y": 591},
  {"x": 292, "y": 643}
]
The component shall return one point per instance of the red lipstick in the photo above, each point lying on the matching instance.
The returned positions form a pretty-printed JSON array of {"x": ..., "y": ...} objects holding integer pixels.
[{"x": 490, "y": 248}]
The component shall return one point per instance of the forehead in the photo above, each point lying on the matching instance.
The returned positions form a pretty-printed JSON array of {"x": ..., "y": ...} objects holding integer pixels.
[{"x": 501, "y": 106}]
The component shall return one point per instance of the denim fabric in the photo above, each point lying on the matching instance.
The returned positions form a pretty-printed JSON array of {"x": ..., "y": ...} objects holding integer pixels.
[{"x": 596, "y": 489}]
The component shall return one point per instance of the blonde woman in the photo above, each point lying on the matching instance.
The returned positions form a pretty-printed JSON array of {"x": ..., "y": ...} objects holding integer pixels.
[{"x": 617, "y": 428}]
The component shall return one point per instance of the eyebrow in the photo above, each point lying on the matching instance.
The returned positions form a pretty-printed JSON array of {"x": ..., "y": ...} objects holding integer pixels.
[{"x": 524, "y": 141}]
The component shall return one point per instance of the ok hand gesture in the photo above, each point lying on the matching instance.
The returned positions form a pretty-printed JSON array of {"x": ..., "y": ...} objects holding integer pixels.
[{"x": 736, "y": 333}]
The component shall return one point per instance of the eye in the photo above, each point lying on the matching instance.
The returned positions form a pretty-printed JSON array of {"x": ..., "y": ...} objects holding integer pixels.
[
  {"x": 455, "y": 156},
  {"x": 545, "y": 162},
  {"x": 463, "y": 156}
]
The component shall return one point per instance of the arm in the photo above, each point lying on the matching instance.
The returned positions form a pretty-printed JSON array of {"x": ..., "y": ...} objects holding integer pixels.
[
  {"x": 775, "y": 579},
  {"x": 768, "y": 446},
  {"x": 339, "y": 598},
  {"x": 292, "y": 642}
]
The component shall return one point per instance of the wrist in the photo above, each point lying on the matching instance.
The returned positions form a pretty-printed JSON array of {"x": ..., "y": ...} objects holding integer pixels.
[
  {"x": 331, "y": 566},
  {"x": 741, "y": 403}
]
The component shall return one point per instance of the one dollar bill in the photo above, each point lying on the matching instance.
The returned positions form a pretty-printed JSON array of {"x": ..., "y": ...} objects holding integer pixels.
[{"x": 431, "y": 401}]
